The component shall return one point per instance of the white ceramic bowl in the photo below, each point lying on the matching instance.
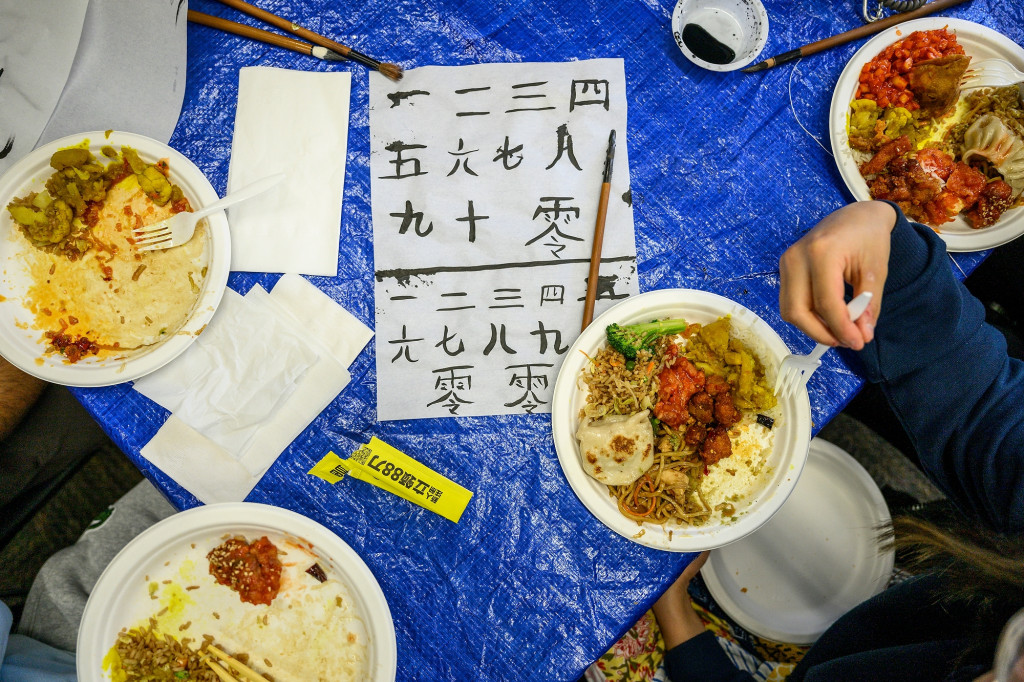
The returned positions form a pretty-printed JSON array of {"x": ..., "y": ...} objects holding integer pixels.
[
  {"x": 741, "y": 25},
  {"x": 792, "y": 429},
  {"x": 22, "y": 346}
]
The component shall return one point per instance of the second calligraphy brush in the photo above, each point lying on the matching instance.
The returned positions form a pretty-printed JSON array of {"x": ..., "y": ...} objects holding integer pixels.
[
  {"x": 392, "y": 71},
  {"x": 264, "y": 36},
  {"x": 595, "y": 252},
  {"x": 854, "y": 34}
]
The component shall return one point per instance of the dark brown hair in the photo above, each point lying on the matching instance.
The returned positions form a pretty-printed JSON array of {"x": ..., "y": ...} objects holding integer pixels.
[{"x": 980, "y": 569}]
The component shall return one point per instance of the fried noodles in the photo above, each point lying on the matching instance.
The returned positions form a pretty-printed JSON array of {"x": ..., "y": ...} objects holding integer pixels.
[{"x": 670, "y": 491}]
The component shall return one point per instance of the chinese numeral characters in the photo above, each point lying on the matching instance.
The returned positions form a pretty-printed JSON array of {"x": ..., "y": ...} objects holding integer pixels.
[
  {"x": 554, "y": 211},
  {"x": 453, "y": 383}
]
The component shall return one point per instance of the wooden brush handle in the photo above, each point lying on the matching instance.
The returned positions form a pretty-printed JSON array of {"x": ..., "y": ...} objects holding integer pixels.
[
  {"x": 249, "y": 32},
  {"x": 875, "y": 26},
  {"x": 595, "y": 257},
  {"x": 289, "y": 26}
]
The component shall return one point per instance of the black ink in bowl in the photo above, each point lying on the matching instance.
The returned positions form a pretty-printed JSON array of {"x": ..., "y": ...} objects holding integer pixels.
[{"x": 705, "y": 46}]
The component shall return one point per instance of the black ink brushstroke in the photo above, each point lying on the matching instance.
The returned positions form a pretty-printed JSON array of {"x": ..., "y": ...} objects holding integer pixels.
[
  {"x": 10, "y": 140},
  {"x": 177, "y": 14},
  {"x": 406, "y": 273}
]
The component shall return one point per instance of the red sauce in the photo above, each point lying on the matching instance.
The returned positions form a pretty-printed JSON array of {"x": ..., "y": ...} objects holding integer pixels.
[
  {"x": 678, "y": 383},
  {"x": 885, "y": 78},
  {"x": 74, "y": 348},
  {"x": 181, "y": 206},
  {"x": 252, "y": 570}
]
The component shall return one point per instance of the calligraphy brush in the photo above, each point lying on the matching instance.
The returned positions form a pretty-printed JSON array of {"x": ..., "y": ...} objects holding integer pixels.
[
  {"x": 392, "y": 71},
  {"x": 264, "y": 36},
  {"x": 595, "y": 253},
  {"x": 853, "y": 34}
]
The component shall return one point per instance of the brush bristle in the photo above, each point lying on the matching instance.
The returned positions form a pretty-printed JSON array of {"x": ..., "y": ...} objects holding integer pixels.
[{"x": 392, "y": 71}]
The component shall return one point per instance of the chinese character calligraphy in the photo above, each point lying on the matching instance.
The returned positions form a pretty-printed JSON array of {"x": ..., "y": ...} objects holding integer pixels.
[{"x": 484, "y": 195}]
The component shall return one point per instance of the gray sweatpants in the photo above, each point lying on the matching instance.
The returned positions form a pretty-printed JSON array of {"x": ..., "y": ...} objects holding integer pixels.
[{"x": 57, "y": 599}]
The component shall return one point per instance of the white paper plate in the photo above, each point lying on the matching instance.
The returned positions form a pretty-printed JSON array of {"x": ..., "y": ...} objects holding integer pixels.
[
  {"x": 813, "y": 562},
  {"x": 121, "y": 599},
  {"x": 792, "y": 430},
  {"x": 979, "y": 43},
  {"x": 21, "y": 345}
]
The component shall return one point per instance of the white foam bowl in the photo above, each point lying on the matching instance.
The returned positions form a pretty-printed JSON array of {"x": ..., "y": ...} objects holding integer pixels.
[
  {"x": 792, "y": 429},
  {"x": 741, "y": 25}
]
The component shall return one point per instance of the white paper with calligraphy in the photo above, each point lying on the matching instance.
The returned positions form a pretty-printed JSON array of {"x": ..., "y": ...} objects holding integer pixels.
[{"x": 485, "y": 183}]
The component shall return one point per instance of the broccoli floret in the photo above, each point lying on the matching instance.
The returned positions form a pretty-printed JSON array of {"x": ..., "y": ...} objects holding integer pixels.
[{"x": 630, "y": 339}]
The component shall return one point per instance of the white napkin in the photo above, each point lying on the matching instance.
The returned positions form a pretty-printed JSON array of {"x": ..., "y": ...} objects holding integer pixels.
[
  {"x": 134, "y": 53},
  {"x": 249, "y": 385},
  {"x": 292, "y": 122},
  {"x": 241, "y": 369},
  {"x": 36, "y": 53}
]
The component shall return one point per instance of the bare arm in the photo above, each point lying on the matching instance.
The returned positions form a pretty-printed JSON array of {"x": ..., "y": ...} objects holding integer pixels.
[{"x": 18, "y": 392}]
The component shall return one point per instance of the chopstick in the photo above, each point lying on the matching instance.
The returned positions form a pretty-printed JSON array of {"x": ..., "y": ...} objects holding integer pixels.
[
  {"x": 245, "y": 671},
  {"x": 853, "y": 34},
  {"x": 392, "y": 71},
  {"x": 223, "y": 674},
  {"x": 264, "y": 36},
  {"x": 595, "y": 252}
]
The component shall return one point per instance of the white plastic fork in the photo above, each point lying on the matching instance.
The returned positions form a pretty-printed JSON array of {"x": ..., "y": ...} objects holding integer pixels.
[
  {"x": 180, "y": 227},
  {"x": 795, "y": 370},
  {"x": 990, "y": 73}
]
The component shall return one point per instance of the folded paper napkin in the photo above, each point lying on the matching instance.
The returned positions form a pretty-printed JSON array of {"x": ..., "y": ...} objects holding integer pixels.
[
  {"x": 296, "y": 123},
  {"x": 261, "y": 371}
]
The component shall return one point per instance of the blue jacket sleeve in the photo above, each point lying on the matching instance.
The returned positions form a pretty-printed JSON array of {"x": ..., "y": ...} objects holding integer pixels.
[
  {"x": 702, "y": 658},
  {"x": 949, "y": 380}
]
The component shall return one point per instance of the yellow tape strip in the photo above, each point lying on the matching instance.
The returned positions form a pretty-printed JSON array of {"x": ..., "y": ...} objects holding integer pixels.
[{"x": 381, "y": 465}]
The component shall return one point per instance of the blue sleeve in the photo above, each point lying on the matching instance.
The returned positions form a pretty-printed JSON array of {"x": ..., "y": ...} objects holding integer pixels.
[
  {"x": 23, "y": 659},
  {"x": 702, "y": 658},
  {"x": 949, "y": 380}
]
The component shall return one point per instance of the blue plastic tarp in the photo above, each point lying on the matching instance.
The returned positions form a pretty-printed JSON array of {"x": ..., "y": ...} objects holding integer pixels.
[{"x": 724, "y": 178}]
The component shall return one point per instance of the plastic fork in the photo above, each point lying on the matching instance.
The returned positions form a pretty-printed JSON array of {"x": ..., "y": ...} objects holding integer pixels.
[
  {"x": 180, "y": 227},
  {"x": 990, "y": 73},
  {"x": 795, "y": 370}
]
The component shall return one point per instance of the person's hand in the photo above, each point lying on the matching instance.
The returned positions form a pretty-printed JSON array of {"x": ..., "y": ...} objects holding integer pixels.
[
  {"x": 849, "y": 246},
  {"x": 673, "y": 610}
]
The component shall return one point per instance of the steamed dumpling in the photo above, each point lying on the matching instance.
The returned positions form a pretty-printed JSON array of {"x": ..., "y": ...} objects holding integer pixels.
[
  {"x": 991, "y": 138},
  {"x": 617, "y": 450}
]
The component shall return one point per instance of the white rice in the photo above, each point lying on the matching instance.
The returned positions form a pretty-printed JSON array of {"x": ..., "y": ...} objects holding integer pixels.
[{"x": 734, "y": 478}]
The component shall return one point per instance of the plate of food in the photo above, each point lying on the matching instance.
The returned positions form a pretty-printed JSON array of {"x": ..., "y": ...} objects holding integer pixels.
[
  {"x": 80, "y": 305},
  {"x": 903, "y": 129},
  {"x": 665, "y": 424},
  {"x": 263, "y": 585},
  {"x": 814, "y": 561}
]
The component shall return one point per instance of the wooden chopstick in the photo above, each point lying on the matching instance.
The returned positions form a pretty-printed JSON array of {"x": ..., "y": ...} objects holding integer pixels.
[
  {"x": 245, "y": 671},
  {"x": 220, "y": 671},
  {"x": 264, "y": 36},
  {"x": 595, "y": 252},
  {"x": 853, "y": 34},
  {"x": 392, "y": 71}
]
